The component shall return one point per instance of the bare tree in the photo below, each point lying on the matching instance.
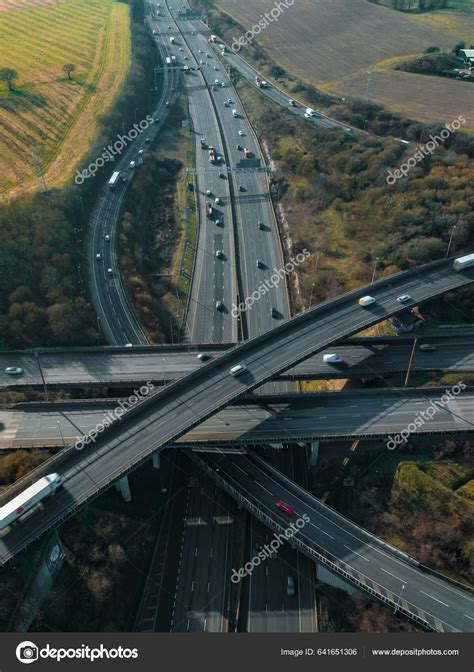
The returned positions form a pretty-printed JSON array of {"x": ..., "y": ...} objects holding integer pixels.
[
  {"x": 69, "y": 69},
  {"x": 8, "y": 75}
]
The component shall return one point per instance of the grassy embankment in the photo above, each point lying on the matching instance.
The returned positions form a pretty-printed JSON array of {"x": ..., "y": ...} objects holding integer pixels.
[{"x": 58, "y": 116}]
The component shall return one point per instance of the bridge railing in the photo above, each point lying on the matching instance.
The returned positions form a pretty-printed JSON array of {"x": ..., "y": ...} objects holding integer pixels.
[{"x": 340, "y": 568}]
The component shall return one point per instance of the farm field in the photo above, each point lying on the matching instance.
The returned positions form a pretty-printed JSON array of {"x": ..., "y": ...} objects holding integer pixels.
[
  {"x": 47, "y": 111},
  {"x": 334, "y": 44}
]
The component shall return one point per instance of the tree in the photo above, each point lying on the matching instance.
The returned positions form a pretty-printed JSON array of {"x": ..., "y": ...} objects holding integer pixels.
[
  {"x": 8, "y": 75},
  {"x": 69, "y": 69}
]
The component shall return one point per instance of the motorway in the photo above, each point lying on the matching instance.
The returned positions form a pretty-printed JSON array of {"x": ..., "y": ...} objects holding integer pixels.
[
  {"x": 167, "y": 415},
  {"x": 164, "y": 417},
  {"x": 213, "y": 279},
  {"x": 366, "y": 357},
  {"x": 277, "y": 95},
  {"x": 249, "y": 190},
  {"x": 363, "y": 414},
  {"x": 389, "y": 572},
  {"x": 115, "y": 316},
  {"x": 217, "y": 279}
]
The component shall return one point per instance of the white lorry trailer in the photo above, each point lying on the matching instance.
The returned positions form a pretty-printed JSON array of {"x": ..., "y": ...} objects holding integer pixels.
[
  {"x": 27, "y": 499},
  {"x": 463, "y": 262},
  {"x": 112, "y": 183}
]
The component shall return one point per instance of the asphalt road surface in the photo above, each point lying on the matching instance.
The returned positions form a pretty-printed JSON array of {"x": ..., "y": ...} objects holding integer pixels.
[
  {"x": 133, "y": 366},
  {"x": 443, "y": 606},
  {"x": 167, "y": 415},
  {"x": 370, "y": 414}
]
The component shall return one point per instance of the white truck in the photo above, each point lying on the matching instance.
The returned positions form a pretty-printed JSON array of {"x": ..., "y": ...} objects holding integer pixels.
[
  {"x": 112, "y": 183},
  {"x": 463, "y": 262},
  {"x": 234, "y": 113},
  {"x": 27, "y": 499},
  {"x": 171, "y": 40},
  {"x": 309, "y": 112}
]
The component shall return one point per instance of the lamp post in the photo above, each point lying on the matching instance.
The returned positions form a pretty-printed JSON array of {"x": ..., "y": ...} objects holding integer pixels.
[
  {"x": 375, "y": 270},
  {"x": 399, "y": 600},
  {"x": 450, "y": 240},
  {"x": 61, "y": 433}
]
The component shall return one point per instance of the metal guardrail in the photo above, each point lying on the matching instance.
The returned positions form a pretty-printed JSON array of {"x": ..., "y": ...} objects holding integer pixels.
[
  {"x": 175, "y": 387},
  {"x": 340, "y": 568}
]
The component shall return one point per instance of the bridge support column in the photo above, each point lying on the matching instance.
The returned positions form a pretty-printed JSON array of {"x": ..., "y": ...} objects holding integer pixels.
[
  {"x": 313, "y": 459},
  {"x": 155, "y": 458},
  {"x": 325, "y": 576},
  {"x": 123, "y": 486}
]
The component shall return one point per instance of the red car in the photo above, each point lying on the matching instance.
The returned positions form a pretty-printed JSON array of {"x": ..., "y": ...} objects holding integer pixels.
[{"x": 286, "y": 508}]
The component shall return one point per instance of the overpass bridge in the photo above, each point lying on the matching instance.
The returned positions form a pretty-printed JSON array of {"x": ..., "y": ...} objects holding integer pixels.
[
  {"x": 124, "y": 367},
  {"x": 373, "y": 414},
  {"x": 354, "y": 554},
  {"x": 166, "y": 416}
]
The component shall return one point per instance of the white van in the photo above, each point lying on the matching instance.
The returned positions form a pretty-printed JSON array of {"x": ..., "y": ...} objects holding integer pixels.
[
  {"x": 366, "y": 301},
  {"x": 237, "y": 369},
  {"x": 234, "y": 113}
]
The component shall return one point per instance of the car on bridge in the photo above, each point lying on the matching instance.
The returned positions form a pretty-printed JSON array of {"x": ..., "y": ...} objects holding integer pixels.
[
  {"x": 238, "y": 369},
  {"x": 427, "y": 347},
  {"x": 332, "y": 358},
  {"x": 287, "y": 509},
  {"x": 366, "y": 301},
  {"x": 13, "y": 370}
]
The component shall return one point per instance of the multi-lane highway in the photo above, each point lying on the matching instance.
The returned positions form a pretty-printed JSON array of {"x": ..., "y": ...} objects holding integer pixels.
[
  {"x": 276, "y": 94},
  {"x": 167, "y": 415},
  {"x": 230, "y": 200},
  {"x": 115, "y": 315},
  {"x": 362, "y": 558},
  {"x": 362, "y": 414},
  {"x": 214, "y": 279},
  {"x": 366, "y": 357}
]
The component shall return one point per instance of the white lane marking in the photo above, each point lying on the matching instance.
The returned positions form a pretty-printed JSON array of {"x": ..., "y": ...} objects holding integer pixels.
[
  {"x": 352, "y": 551},
  {"x": 239, "y": 468},
  {"x": 434, "y": 598},
  {"x": 321, "y": 530},
  {"x": 469, "y": 617},
  {"x": 263, "y": 488},
  {"x": 390, "y": 573}
]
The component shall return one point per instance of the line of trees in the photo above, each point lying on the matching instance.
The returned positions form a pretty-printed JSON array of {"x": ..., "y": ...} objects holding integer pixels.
[{"x": 42, "y": 300}]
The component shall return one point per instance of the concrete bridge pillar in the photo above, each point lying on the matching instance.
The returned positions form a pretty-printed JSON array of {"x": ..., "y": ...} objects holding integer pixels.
[
  {"x": 123, "y": 486},
  {"x": 313, "y": 458},
  {"x": 326, "y": 576},
  {"x": 156, "y": 460}
]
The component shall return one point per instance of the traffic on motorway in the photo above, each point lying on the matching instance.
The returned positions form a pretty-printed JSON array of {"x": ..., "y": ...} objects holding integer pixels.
[{"x": 224, "y": 408}]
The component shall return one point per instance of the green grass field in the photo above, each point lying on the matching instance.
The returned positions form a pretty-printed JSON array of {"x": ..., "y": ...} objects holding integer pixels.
[
  {"x": 46, "y": 110},
  {"x": 333, "y": 44}
]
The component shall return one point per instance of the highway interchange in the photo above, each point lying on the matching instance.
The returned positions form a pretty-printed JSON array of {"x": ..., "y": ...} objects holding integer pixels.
[
  {"x": 122, "y": 367},
  {"x": 180, "y": 408},
  {"x": 369, "y": 414}
]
